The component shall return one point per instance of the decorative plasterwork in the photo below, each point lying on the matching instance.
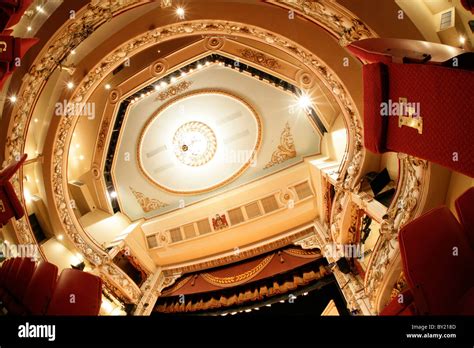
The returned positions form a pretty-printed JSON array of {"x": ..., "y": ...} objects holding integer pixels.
[
  {"x": 339, "y": 21},
  {"x": 84, "y": 25},
  {"x": 252, "y": 111},
  {"x": 173, "y": 91},
  {"x": 285, "y": 151},
  {"x": 260, "y": 58},
  {"x": 194, "y": 143},
  {"x": 119, "y": 278},
  {"x": 404, "y": 208},
  {"x": 238, "y": 254},
  {"x": 146, "y": 203},
  {"x": 70, "y": 36},
  {"x": 104, "y": 128},
  {"x": 310, "y": 242}
]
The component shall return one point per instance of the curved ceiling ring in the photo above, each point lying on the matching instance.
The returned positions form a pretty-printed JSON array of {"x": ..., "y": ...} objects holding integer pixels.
[
  {"x": 178, "y": 30},
  {"x": 32, "y": 86}
]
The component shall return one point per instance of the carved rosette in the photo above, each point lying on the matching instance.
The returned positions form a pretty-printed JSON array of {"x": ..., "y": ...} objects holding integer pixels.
[{"x": 410, "y": 193}]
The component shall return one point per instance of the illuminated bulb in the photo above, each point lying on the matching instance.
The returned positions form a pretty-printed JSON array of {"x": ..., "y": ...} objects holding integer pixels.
[
  {"x": 70, "y": 85},
  {"x": 60, "y": 237},
  {"x": 282, "y": 301},
  {"x": 304, "y": 101},
  {"x": 164, "y": 84},
  {"x": 180, "y": 12},
  {"x": 157, "y": 88},
  {"x": 13, "y": 99},
  {"x": 268, "y": 305},
  {"x": 108, "y": 86},
  {"x": 191, "y": 70},
  {"x": 173, "y": 79},
  {"x": 183, "y": 74},
  {"x": 36, "y": 120},
  {"x": 207, "y": 63},
  {"x": 81, "y": 157},
  {"x": 39, "y": 9},
  {"x": 142, "y": 95},
  {"x": 78, "y": 146},
  {"x": 73, "y": 52},
  {"x": 462, "y": 40},
  {"x": 29, "y": 28},
  {"x": 305, "y": 294},
  {"x": 248, "y": 310},
  {"x": 136, "y": 98},
  {"x": 233, "y": 313},
  {"x": 199, "y": 66},
  {"x": 113, "y": 194}
]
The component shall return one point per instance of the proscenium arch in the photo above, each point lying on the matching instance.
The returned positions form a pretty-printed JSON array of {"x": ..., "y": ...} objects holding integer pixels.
[{"x": 63, "y": 135}]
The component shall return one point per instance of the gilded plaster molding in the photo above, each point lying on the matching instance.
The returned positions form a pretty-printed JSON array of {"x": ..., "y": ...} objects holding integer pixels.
[
  {"x": 285, "y": 151},
  {"x": 147, "y": 204}
]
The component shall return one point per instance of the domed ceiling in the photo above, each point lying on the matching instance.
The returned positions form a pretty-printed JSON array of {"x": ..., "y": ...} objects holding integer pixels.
[{"x": 209, "y": 130}]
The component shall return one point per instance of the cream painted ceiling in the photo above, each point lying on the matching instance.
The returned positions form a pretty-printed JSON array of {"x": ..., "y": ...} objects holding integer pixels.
[{"x": 242, "y": 107}]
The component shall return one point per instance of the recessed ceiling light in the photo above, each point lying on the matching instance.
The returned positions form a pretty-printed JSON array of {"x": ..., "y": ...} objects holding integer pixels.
[
  {"x": 29, "y": 28},
  {"x": 199, "y": 66},
  {"x": 163, "y": 84},
  {"x": 462, "y": 40},
  {"x": 36, "y": 120},
  {"x": 304, "y": 101},
  {"x": 180, "y": 12},
  {"x": 208, "y": 63},
  {"x": 157, "y": 88},
  {"x": 60, "y": 237},
  {"x": 142, "y": 95},
  {"x": 183, "y": 74},
  {"x": 173, "y": 79},
  {"x": 13, "y": 98},
  {"x": 113, "y": 194},
  {"x": 107, "y": 86},
  {"x": 73, "y": 52},
  {"x": 70, "y": 85}
]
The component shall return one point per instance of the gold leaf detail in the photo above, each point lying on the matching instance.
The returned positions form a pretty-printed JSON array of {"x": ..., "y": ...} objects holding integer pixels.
[
  {"x": 174, "y": 90},
  {"x": 147, "y": 204},
  {"x": 285, "y": 151}
]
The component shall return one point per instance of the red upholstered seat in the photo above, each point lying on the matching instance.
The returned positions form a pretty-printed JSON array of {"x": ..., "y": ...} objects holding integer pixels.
[
  {"x": 468, "y": 5},
  {"x": 438, "y": 263},
  {"x": 40, "y": 288},
  {"x": 465, "y": 209},
  {"x": 9, "y": 278},
  {"x": 17, "y": 289},
  {"x": 4, "y": 271},
  {"x": 446, "y": 103},
  {"x": 76, "y": 293}
]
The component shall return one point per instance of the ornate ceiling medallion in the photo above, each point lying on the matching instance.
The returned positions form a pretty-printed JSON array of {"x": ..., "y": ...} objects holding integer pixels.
[
  {"x": 285, "y": 151},
  {"x": 194, "y": 144}
]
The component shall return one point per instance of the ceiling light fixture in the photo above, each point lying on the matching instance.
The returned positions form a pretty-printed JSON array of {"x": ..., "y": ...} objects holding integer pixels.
[
  {"x": 163, "y": 84},
  {"x": 113, "y": 194},
  {"x": 39, "y": 9},
  {"x": 173, "y": 79},
  {"x": 108, "y": 86},
  {"x": 36, "y": 120},
  {"x": 60, "y": 237},
  {"x": 73, "y": 52},
  {"x": 304, "y": 101},
  {"x": 183, "y": 74},
  {"x": 29, "y": 28},
  {"x": 157, "y": 88},
  {"x": 199, "y": 66},
  {"x": 13, "y": 99},
  {"x": 70, "y": 85},
  {"x": 462, "y": 40},
  {"x": 180, "y": 12}
]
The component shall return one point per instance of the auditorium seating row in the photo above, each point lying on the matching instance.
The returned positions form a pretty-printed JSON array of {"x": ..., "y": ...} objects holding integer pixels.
[
  {"x": 31, "y": 288},
  {"x": 437, "y": 254}
]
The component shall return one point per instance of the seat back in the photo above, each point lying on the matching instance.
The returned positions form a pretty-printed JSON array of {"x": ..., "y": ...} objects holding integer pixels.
[
  {"x": 76, "y": 293},
  {"x": 40, "y": 288},
  {"x": 12, "y": 272},
  {"x": 438, "y": 262},
  {"x": 25, "y": 272},
  {"x": 465, "y": 209},
  {"x": 4, "y": 270}
]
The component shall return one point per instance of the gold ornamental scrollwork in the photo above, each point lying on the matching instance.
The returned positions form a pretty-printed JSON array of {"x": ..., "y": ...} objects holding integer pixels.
[
  {"x": 260, "y": 58},
  {"x": 173, "y": 91},
  {"x": 147, "y": 204},
  {"x": 285, "y": 151}
]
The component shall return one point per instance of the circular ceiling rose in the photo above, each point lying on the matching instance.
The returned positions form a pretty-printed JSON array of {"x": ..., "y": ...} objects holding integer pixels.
[
  {"x": 194, "y": 143},
  {"x": 199, "y": 141}
]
